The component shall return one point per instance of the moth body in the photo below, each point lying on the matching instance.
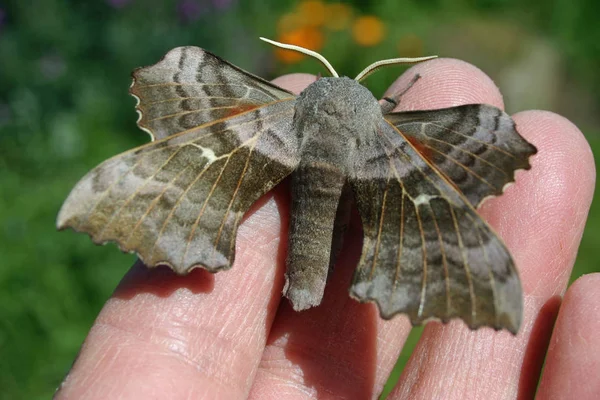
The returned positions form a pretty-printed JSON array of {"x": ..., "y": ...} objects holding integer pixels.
[{"x": 332, "y": 118}]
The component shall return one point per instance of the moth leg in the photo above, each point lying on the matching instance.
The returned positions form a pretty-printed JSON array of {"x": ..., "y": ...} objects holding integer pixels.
[
  {"x": 389, "y": 103},
  {"x": 316, "y": 191}
]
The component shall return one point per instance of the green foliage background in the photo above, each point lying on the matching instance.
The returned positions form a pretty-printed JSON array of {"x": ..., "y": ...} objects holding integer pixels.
[{"x": 64, "y": 74}]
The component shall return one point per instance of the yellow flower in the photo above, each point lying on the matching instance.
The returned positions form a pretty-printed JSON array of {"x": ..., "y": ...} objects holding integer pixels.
[
  {"x": 368, "y": 30},
  {"x": 338, "y": 16},
  {"x": 307, "y": 37}
]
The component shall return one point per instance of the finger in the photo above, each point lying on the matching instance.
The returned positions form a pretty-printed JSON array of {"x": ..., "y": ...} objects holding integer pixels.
[
  {"x": 541, "y": 219},
  {"x": 445, "y": 82},
  {"x": 295, "y": 82},
  {"x": 195, "y": 336},
  {"x": 342, "y": 348},
  {"x": 573, "y": 360}
]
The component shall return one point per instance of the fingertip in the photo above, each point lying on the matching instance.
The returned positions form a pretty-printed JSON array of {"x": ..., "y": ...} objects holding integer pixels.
[
  {"x": 542, "y": 215},
  {"x": 580, "y": 304},
  {"x": 294, "y": 82},
  {"x": 574, "y": 353},
  {"x": 563, "y": 172},
  {"x": 558, "y": 140},
  {"x": 589, "y": 283},
  {"x": 446, "y": 82},
  {"x": 583, "y": 299}
]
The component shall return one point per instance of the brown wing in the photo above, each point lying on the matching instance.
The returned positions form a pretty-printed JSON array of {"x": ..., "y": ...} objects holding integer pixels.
[
  {"x": 179, "y": 200},
  {"x": 190, "y": 87},
  {"x": 426, "y": 252},
  {"x": 475, "y": 146}
]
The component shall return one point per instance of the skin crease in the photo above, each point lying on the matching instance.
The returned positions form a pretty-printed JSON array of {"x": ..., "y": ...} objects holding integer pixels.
[{"x": 231, "y": 336}]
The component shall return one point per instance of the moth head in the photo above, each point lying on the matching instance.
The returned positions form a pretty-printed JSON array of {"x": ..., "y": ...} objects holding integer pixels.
[
  {"x": 365, "y": 72},
  {"x": 328, "y": 99}
]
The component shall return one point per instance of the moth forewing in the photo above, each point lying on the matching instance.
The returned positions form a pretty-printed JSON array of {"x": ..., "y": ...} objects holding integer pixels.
[
  {"x": 179, "y": 200},
  {"x": 190, "y": 87},
  {"x": 475, "y": 146}
]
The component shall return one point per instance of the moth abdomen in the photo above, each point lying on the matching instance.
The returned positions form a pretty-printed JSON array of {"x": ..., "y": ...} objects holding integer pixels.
[{"x": 316, "y": 191}]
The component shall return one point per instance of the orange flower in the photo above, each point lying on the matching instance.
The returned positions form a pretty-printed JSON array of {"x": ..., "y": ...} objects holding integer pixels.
[
  {"x": 307, "y": 37},
  {"x": 312, "y": 12},
  {"x": 339, "y": 16},
  {"x": 289, "y": 22},
  {"x": 368, "y": 30}
]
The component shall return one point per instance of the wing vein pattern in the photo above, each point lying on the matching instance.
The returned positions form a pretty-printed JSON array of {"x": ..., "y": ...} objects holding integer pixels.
[
  {"x": 199, "y": 84},
  {"x": 441, "y": 260},
  {"x": 479, "y": 138},
  {"x": 217, "y": 147}
]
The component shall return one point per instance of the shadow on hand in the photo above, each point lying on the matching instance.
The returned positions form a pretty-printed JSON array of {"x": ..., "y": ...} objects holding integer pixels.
[
  {"x": 162, "y": 281},
  {"x": 334, "y": 344},
  {"x": 537, "y": 347}
]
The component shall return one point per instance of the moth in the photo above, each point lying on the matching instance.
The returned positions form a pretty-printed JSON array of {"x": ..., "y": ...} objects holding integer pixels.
[{"x": 222, "y": 138}]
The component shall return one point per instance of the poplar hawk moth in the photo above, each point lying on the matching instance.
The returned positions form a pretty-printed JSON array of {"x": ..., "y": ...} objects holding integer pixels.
[{"x": 222, "y": 138}]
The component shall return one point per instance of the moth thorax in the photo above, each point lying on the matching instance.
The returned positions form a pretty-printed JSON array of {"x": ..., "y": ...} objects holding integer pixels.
[{"x": 341, "y": 99}]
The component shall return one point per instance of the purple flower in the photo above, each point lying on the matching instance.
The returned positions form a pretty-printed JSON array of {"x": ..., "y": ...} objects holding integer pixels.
[
  {"x": 222, "y": 4},
  {"x": 191, "y": 10},
  {"x": 118, "y": 3}
]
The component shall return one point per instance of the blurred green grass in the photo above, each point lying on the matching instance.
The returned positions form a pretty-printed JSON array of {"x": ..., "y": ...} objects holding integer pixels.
[{"x": 64, "y": 108}]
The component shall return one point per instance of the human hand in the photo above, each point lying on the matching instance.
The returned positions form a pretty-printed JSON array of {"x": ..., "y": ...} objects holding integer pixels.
[{"x": 231, "y": 335}]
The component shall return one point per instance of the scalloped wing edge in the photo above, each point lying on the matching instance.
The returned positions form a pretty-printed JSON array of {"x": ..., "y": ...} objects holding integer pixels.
[
  {"x": 424, "y": 321},
  {"x": 134, "y": 76},
  {"x": 62, "y": 226},
  {"x": 509, "y": 183}
]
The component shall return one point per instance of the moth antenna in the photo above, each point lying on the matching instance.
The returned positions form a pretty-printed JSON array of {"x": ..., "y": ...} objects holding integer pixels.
[
  {"x": 303, "y": 51},
  {"x": 376, "y": 65}
]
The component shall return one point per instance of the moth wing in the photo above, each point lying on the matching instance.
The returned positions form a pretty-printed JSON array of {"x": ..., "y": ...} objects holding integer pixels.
[
  {"x": 474, "y": 146},
  {"x": 191, "y": 86},
  {"x": 179, "y": 200},
  {"x": 426, "y": 252}
]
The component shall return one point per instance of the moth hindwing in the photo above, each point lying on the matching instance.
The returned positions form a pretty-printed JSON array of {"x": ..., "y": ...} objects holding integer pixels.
[{"x": 223, "y": 137}]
